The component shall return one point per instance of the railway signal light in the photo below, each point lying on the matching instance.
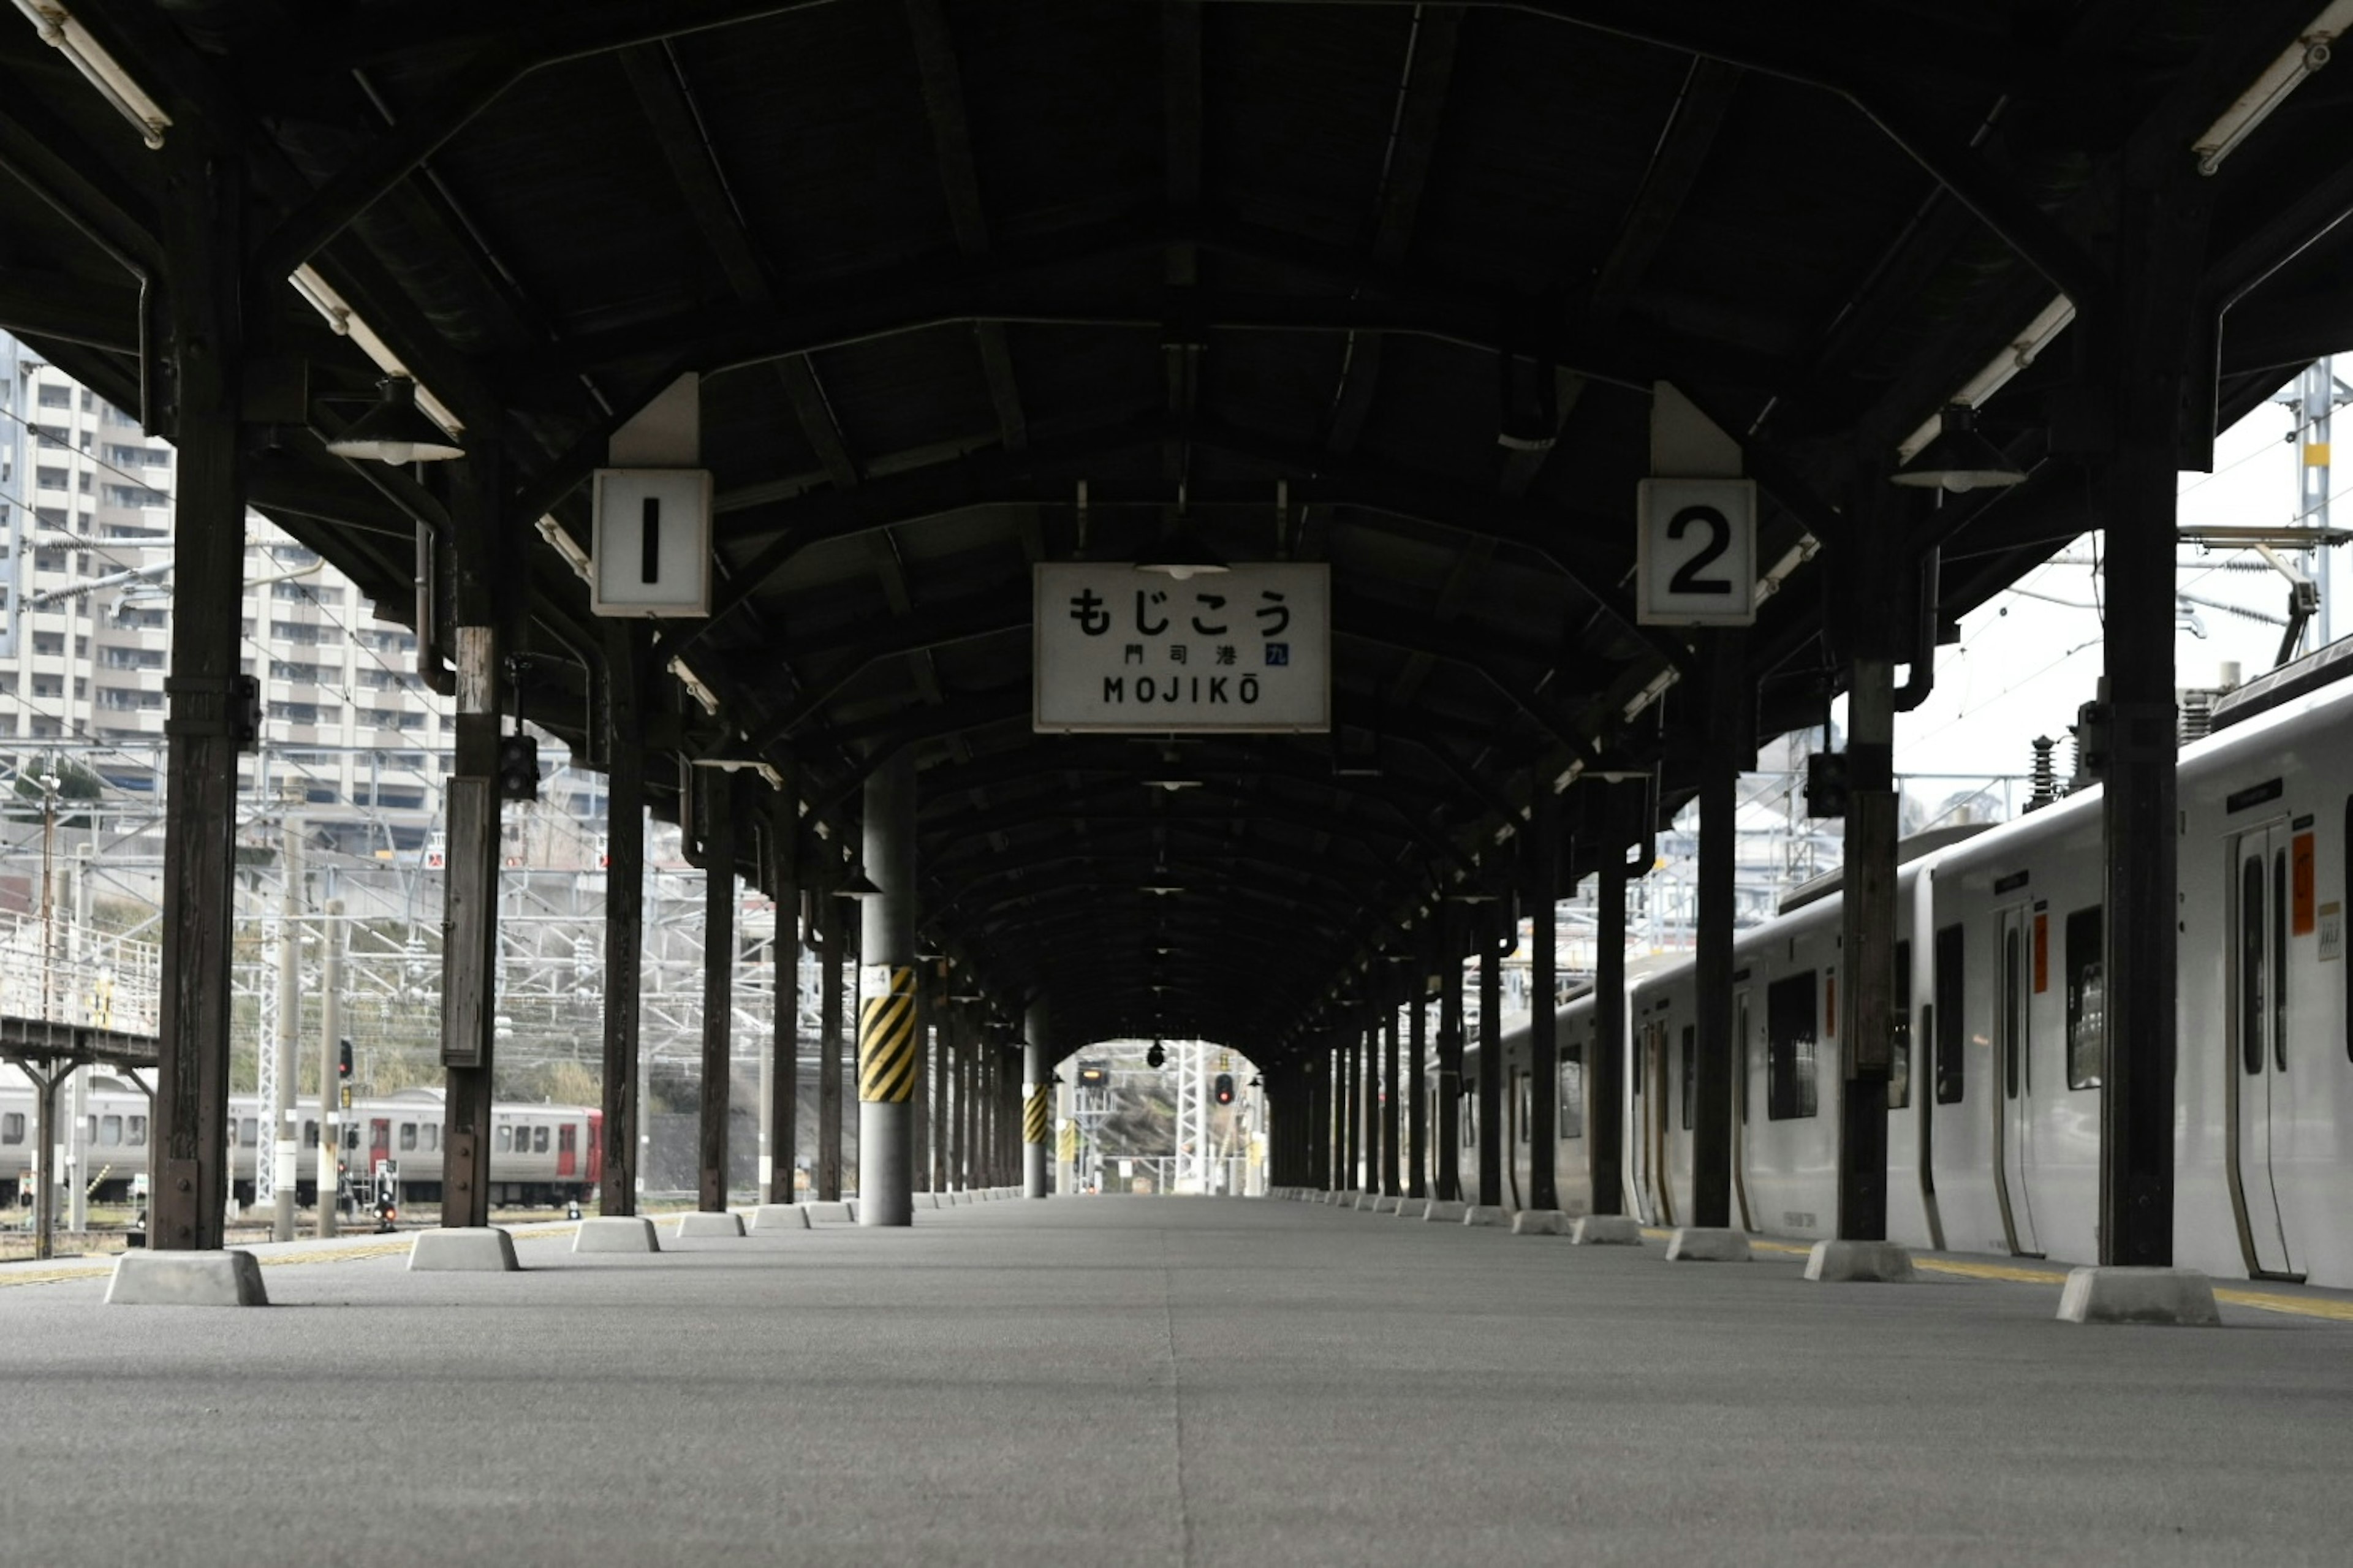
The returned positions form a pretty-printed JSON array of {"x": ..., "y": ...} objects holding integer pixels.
[
  {"x": 1155, "y": 1057},
  {"x": 1093, "y": 1075},
  {"x": 344, "y": 1060},
  {"x": 1826, "y": 784},
  {"x": 518, "y": 767},
  {"x": 1224, "y": 1089}
]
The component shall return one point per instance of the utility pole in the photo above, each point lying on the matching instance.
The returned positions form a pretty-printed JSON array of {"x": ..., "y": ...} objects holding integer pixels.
[
  {"x": 331, "y": 1034},
  {"x": 279, "y": 1131}
]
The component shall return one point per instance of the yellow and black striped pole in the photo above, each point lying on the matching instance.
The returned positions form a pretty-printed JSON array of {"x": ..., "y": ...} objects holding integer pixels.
[
  {"x": 889, "y": 1050},
  {"x": 1038, "y": 1106}
]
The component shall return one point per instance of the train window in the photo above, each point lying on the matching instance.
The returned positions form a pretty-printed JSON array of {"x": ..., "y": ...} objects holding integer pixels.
[
  {"x": 247, "y": 1135},
  {"x": 1691, "y": 1073},
  {"x": 2088, "y": 1012},
  {"x": 1746, "y": 1055},
  {"x": 2279, "y": 960},
  {"x": 1572, "y": 1096},
  {"x": 1899, "y": 1050},
  {"x": 310, "y": 1135},
  {"x": 539, "y": 1140},
  {"x": 109, "y": 1132},
  {"x": 1520, "y": 1087},
  {"x": 89, "y": 1131},
  {"x": 1949, "y": 1016},
  {"x": 1789, "y": 1086},
  {"x": 408, "y": 1137},
  {"x": 12, "y": 1127},
  {"x": 138, "y": 1131},
  {"x": 1470, "y": 1121},
  {"x": 432, "y": 1135},
  {"x": 503, "y": 1142},
  {"x": 2250, "y": 965}
]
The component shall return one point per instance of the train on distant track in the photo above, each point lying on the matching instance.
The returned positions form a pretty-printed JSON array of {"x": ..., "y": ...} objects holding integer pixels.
[
  {"x": 539, "y": 1155},
  {"x": 1993, "y": 1117}
]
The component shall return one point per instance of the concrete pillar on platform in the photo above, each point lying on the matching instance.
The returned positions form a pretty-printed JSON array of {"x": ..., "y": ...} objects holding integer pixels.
[
  {"x": 1038, "y": 1108},
  {"x": 717, "y": 822},
  {"x": 887, "y": 1058},
  {"x": 625, "y": 903}
]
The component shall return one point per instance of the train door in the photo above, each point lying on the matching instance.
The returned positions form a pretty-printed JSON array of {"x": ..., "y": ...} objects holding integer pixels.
[
  {"x": 1661, "y": 1097},
  {"x": 1638, "y": 1136},
  {"x": 567, "y": 1149},
  {"x": 379, "y": 1141},
  {"x": 2258, "y": 1093},
  {"x": 1516, "y": 1167},
  {"x": 2013, "y": 1113},
  {"x": 1743, "y": 1051}
]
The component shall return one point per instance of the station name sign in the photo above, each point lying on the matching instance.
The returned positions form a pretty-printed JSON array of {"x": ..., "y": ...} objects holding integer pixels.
[{"x": 1246, "y": 650}]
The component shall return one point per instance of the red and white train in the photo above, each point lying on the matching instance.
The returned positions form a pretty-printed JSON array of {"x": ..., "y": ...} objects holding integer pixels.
[{"x": 539, "y": 1155}]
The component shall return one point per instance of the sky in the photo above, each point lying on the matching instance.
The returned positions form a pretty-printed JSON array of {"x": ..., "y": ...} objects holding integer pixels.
[{"x": 2028, "y": 657}]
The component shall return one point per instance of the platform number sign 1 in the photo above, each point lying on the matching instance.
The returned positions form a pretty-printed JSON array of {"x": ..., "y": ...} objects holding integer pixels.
[
  {"x": 1697, "y": 566},
  {"x": 652, "y": 549}
]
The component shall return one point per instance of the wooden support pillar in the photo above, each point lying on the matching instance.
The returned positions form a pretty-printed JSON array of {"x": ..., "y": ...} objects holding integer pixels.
[
  {"x": 1726, "y": 736},
  {"x": 1448, "y": 1110},
  {"x": 1418, "y": 1160},
  {"x": 780, "y": 1158},
  {"x": 1498, "y": 934},
  {"x": 1868, "y": 930},
  {"x": 1543, "y": 871},
  {"x": 717, "y": 820},
  {"x": 625, "y": 903},
  {"x": 202, "y": 217},
  {"x": 487, "y": 589},
  {"x": 1605, "y": 1073},
  {"x": 1392, "y": 1096},
  {"x": 2159, "y": 399}
]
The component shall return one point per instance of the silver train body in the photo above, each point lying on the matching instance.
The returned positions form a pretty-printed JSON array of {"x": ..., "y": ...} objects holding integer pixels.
[
  {"x": 1994, "y": 1114},
  {"x": 539, "y": 1153}
]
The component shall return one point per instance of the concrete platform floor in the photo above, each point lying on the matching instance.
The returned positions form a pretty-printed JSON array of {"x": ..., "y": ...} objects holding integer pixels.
[{"x": 1143, "y": 1381}]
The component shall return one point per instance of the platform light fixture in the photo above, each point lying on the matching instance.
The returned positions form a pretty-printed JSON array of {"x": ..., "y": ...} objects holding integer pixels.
[
  {"x": 396, "y": 430},
  {"x": 2307, "y": 53},
  {"x": 1182, "y": 556},
  {"x": 101, "y": 70},
  {"x": 1959, "y": 458},
  {"x": 858, "y": 886}
]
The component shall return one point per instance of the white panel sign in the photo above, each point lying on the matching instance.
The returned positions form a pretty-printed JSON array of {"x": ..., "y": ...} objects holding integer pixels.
[
  {"x": 1697, "y": 566},
  {"x": 652, "y": 549},
  {"x": 1249, "y": 649}
]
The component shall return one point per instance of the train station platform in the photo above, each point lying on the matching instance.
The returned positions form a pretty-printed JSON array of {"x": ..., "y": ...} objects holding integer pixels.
[{"x": 1131, "y": 1381}]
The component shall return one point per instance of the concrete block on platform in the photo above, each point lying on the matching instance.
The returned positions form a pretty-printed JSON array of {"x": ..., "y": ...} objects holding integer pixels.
[
  {"x": 831, "y": 1214},
  {"x": 1411, "y": 1208},
  {"x": 1485, "y": 1213},
  {"x": 771, "y": 1217},
  {"x": 1831, "y": 1262},
  {"x": 480, "y": 1248},
  {"x": 1606, "y": 1230},
  {"x": 617, "y": 1233},
  {"x": 1366, "y": 1203},
  {"x": 1539, "y": 1222},
  {"x": 1385, "y": 1204},
  {"x": 2127, "y": 1295},
  {"x": 1707, "y": 1244},
  {"x": 1444, "y": 1210},
  {"x": 186, "y": 1279},
  {"x": 709, "y": 1226}
]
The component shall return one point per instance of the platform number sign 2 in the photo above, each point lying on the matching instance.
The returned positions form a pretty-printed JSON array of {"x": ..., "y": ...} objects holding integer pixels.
[{"x": 1697, "y": 566}]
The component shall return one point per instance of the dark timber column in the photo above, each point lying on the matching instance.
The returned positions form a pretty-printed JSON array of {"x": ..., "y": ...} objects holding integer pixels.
[
  {"x": 1417, "y": 1177},
  {"x": 1544, "y": 1044},
  {"x": 718, "y": 986},
  {"x": 1498, "y": 936},
  {"x": 1352, "y": 1112},
  {"x": 1037, "y": 1114},
  {"x": 886, "y": 1023},
  {"x": 1450, "y": 1052},
  {"x": 1868, "y": 919},
  {"x": 625, "y": 905},
  {"x": 1391, "y": 1089},
  {"x": 785, "y": 1049},
  {"x": 1726, "y": 736},
  {"x": 202, "y": 225},
  {"x": 1605, "y": 1073},
  {"x": 829, "y": 939},
  {"x": 469, "y": 917},
  {"x": 2146, "y": 341}
]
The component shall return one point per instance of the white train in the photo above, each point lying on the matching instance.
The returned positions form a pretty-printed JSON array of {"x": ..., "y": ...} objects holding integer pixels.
[
  {"x": 1994, "y": 1112},
  {"x": 539, "y": 1153}
]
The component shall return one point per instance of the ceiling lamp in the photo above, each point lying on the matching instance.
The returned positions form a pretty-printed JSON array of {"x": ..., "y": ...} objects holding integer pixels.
[
  {"x": 1172, "y": 784},
  {"x": 858, "y": 886},
  {"x": 1180, "y": 555},
  {"x": 1958, "y": 458},
  {"x": 396, "y": 430}
]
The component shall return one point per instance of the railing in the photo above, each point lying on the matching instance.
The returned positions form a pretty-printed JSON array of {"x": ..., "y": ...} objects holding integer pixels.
[{"x": 63, "y": 974}]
